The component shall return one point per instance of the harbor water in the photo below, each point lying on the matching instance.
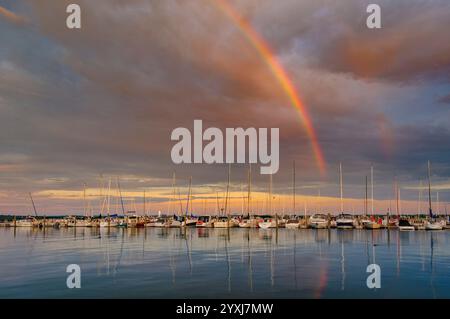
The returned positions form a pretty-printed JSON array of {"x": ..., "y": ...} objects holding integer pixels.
[{"x": 223, "y": 263}]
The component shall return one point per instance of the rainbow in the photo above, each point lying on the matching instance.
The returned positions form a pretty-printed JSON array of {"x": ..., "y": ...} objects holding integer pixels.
[{"x": 279, "y": 72}]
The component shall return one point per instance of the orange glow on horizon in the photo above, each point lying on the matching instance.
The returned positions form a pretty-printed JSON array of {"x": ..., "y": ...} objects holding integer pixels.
[{"x": 280, "y": 74}]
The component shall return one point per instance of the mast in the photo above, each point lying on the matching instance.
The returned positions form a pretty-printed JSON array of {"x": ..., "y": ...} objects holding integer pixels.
[
  {"x": 188, "y": 198},
  {"x": 249, "y": 189},
  {"x": 437, "y": 201},
  {"x": 365, "y": 200},
  {"x": 226, "y": 197},
  {"x": 270, "y": 194},
  {"x": 371, "y": 186},
  {"x": 397, "y": 198},
  {"x": 84, "y": 199},
  {"x": 120, "y": 195},
  {"x": 419, "y": 204},
  {"x": 341, "y": 188},
  {"x": 429, "y": 190},
  {"x": 109, "y": 196},
  {"x": 293, "y": 187},
  {"x": 34, "y": 207},
  {"x": 144, "y": 203}
]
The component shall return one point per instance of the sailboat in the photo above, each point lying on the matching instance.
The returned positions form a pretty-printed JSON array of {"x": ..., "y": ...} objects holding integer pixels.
[
  {"x": 293, "y": 222},
  {"x": 372, "y": 223},
  {"x": 248, "y": 222},
  {"x": 432, "y": 223},
  {"x": 403, "y": 224},
  {"x": 224, "y": 221},
  {"x": 109, "y": 221},
  {"x": 269, "y": 222},
  {"x": 343, "y": 221}
]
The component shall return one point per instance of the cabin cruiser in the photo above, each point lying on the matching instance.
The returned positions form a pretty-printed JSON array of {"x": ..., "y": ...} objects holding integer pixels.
[
  {"x": 205, "y": 221},
  {"x": 318, "y": 221},
  {"x": 405, "y": 225},
  {"x": 345, "y": 221}
]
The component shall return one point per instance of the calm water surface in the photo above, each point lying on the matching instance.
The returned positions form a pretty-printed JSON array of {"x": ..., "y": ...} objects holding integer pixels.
[{"x": 220, "y": 263}]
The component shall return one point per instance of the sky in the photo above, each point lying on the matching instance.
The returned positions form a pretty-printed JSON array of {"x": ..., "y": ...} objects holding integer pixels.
[{"x": 79, "y": 108}]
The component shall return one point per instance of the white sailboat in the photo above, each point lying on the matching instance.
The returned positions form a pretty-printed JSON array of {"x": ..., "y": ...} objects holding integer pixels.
[
  {"x": 343, "y": 221},
  {"x": 432, "y": 224}
]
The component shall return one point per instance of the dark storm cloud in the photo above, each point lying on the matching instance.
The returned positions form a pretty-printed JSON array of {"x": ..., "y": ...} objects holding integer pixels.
[{"x": 104, "y": 99}]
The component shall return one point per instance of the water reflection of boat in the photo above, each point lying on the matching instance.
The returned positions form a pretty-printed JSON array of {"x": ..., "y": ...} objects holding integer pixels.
[{"x": 203, "y": 233}]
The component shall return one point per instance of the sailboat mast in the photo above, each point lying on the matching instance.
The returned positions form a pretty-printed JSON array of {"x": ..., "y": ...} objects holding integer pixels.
[
  {"x": 429, "y": 190},
  {"x": 188, "y": 197},
  {"x": 270, "y": 194},
  {"x": 34, "y": 207},
  {"x": 228, "y": 189},
  {"x": 365, "y": 200},
  {"x": 340, "y": 187},
  {"x": 84, "y": 200},
  {"x": 419, "y": 208},
  {"x": 120, "y": 195},
  {"x": 109, "y": 196},
  {"x": 371, "y": 188},
  {"x": 226, "y": 198},
  {"x": 397, "y": 198},
  {"x": 249, "y": 189},
  {"x": 293, "y": 188}
]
